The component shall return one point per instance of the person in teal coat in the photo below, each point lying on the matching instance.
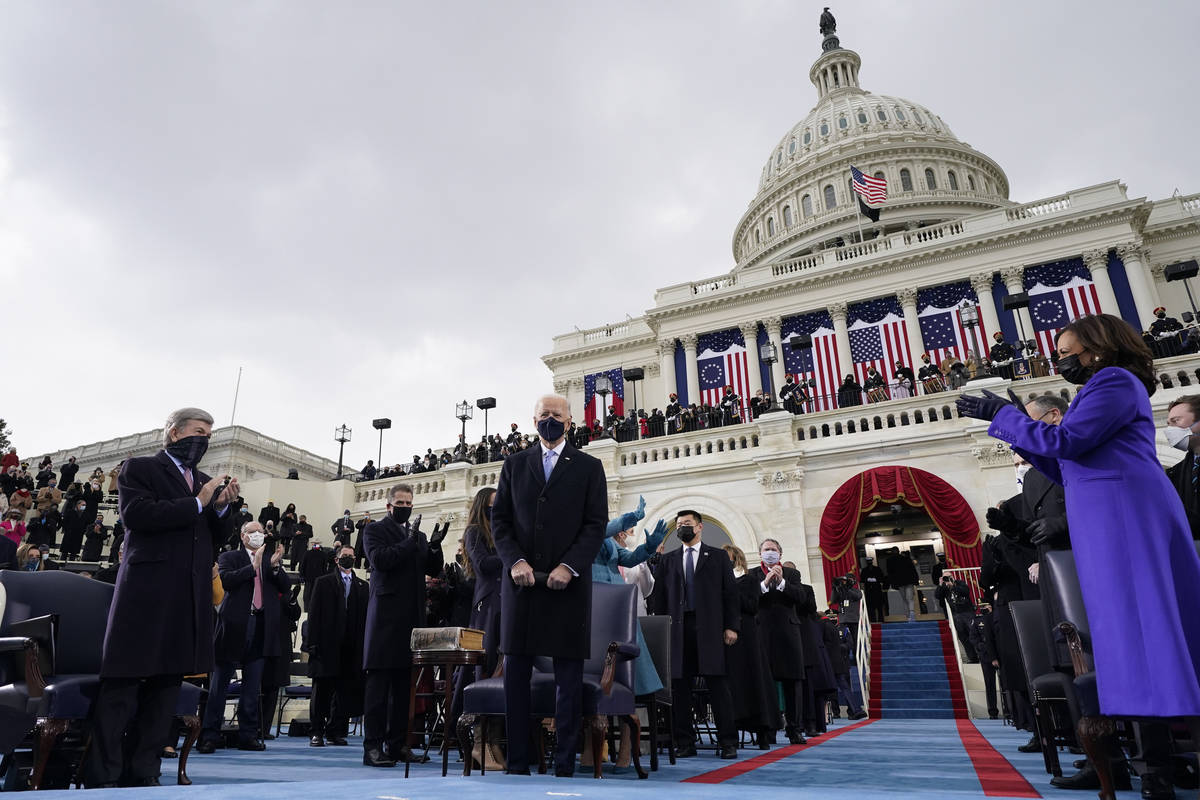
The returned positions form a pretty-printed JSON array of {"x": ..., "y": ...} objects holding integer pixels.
[{"x": 606, "y": 568}]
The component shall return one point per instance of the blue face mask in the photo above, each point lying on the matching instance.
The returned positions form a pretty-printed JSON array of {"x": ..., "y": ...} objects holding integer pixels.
[
  {"x": 551, "y": 429},
  {"x": 31, "y": 565}
]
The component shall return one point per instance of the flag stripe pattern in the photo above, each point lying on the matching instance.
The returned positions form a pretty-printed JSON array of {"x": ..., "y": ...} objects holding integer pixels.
[
  {"x": 593, "y": 404},
  {"x": 1059, "y": 292},
  {"x": 878, "y": 338},
  {"x": 873, "y": 190},
  {"x": 818, "y": 364},
  {"x": 722, "y": 360},
  {"x": 942, "y": 329}
]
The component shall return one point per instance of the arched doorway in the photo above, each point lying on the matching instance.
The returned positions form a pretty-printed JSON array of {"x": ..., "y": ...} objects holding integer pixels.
[{"x": 894, "y": 484}]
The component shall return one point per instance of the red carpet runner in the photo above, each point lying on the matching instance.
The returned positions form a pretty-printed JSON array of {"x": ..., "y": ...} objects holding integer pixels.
[
  {"x": 998, "y": 777},
  {"x": 742, "y": 767}
]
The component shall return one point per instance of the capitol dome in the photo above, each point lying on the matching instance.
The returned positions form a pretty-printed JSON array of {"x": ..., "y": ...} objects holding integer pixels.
[{"x": 804, "y": 201}]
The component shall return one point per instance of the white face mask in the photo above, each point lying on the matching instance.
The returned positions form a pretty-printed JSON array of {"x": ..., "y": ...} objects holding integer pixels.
[
  {"x": 1178, "y": 437},
  {"x": 255, "y": 540},
  {"x": 769, "y": 557},
  {"x": 1022, "y": 469}
]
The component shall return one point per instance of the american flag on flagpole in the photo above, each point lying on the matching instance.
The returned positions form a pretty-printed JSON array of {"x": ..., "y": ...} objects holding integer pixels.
[
  {"x": 942, "y": 329},
  {"x": 872, "y": 190},
  {"x": 1059, "y": 292},
  {"x": 819, "y": 363},
  {"x": 722, "y": 361},
  {"x": 594, "y": 407},
  {"x": 878, "y": 338}
]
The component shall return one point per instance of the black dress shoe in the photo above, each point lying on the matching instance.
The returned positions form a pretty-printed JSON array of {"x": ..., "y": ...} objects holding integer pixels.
[
  {"x": 858, "y": 716},
  {"x": 1079, "y": 763},
  {"x": 406, "y": 754},
  {"x": 206, "y": 747},
  {"x": 564, "y": 773},
  {"x": 336, "y": 741},
  {"x": 375, "y": 758},
  {"x": 728, "y": 752},
  {"x": 268, "y": 737},
  {"x": 1155, "y": 786},
  {"x": 796, "y": 738},
  {"x": 993, "y": 715},
  {"x": 764, "y": 746},
  {"x": 254, "y": 746},
  {"x": 1032, "y": 746},
  {"x": 112, "y": 785},
  {"x": 316, "y": 741},
  {"x": 146, "y": 782},
  {"x": 1088, "y": 778},
  {"x": 685, "y": 752}
]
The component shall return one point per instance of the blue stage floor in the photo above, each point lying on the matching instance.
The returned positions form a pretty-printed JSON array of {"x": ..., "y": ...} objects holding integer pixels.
[{"x": 897, "y": 759}]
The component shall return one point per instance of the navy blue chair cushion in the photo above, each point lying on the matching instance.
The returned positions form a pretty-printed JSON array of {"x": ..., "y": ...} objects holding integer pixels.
[
  {"x": 189, "y": 699},
  {"x": 1088, "y": 694},
  {"x": 66, "y": 697}
]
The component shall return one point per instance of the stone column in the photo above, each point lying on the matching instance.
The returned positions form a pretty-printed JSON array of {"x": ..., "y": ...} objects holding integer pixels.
[
  {"x": 982, "y": 284},
  {"x": 774, "y": 326},
  {"x": 1145, "y": 298},
  {"x": 1014, "y": 279},
  {"x": 666, "y": 367},
  {"x": 753, "y": 365},
  {"x": 689, "y": 341},
  {"x": 1097, "y": 263},
  {"x": 908, "y": 303},
  {"x": 838, "y": 311}
]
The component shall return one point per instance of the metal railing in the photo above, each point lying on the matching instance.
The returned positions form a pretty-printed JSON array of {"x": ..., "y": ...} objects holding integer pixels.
[{"x": 862, "y": 652}]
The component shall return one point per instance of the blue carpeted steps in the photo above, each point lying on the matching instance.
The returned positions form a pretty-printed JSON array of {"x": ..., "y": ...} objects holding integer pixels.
[{"x": 908, "y": 673}]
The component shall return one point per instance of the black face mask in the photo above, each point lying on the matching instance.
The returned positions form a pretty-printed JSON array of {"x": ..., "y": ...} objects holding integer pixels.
[
  {"x": 1072, "y": 371},
  {"x": 401, "y": 513},
  {"x": 551, "y": 429},
  {"x": 346, "y": 562},
  {"x": 188, "y": 450},
  {"x": 686, "y": 534}
]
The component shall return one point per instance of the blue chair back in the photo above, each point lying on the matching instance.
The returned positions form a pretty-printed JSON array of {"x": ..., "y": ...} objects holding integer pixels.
[
  {"x": 80, "y": 603},
  {"x": 614, "y": 619}
]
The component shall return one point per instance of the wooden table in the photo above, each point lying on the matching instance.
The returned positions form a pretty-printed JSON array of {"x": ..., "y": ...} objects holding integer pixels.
[{"x": 430, "y": 660}]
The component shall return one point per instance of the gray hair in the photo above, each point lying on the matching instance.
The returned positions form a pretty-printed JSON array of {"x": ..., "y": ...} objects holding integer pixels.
[
  {"x": 181, "y": 416},
  {"x": 1049, "y": 402},
  {"x": 401, "y": 487}
]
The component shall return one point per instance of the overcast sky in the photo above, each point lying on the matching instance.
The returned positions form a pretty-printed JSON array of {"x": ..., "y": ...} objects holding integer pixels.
[{"x": 379, "y": 209}]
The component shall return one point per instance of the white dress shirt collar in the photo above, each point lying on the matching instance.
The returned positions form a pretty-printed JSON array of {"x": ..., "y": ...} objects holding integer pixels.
[{"x": 557, "y": 449}]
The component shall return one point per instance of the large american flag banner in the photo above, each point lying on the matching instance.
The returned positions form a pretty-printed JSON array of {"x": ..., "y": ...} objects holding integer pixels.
[
  {"x": 1058, "y": 293},
  {"x": 942, "y": 329},
  {"x": 872, "y": 190},
  {"x": 594, "y": 406},
  {"x": 878, "y": 338},
  {"x": 721, "y": 361},
  {"x": 819, "y": 363}
]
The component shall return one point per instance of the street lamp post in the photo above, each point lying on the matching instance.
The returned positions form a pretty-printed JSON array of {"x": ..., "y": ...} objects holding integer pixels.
[
  {"x": 463, "y": 412},
  {"x": 632, "y": 376},
  {"x": 381, "y": 425},
  {"x": 604, "y": 388},
  {"x": 485, "y": 403},
  {"x": 341, "y": 435},
  {"x": 968, "y": 312},
  {"x": 767, "y": 354}
]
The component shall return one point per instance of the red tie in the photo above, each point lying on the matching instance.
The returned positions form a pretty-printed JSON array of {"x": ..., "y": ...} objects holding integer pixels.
[
  {"x": 187, "y": 476},
  {"x": 256, "y": 602}
]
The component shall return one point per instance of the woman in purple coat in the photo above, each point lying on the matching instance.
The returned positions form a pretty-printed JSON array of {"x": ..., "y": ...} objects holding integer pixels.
[{"x": 1138, "y": 568}]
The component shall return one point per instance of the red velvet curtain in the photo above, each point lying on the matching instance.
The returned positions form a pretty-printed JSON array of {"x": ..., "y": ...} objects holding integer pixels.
[{"x": 914, "y": 487}]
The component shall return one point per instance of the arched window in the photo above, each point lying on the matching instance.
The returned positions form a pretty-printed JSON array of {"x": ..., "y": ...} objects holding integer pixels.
[
  {"x": 930, "y": 181},
  {"x": 916, "y": 117},
  {"x": 971, "y": 182},
  {"x": 770, "y": 226},
  {"x": 808, "y": 137},
  {"x": 824, "y": 128},
  {"x": 830, "y": 198},
  {"x": 843, "y": 123},
  {"x": 787, "y": 216},
  {"x": 806, "y": 205},
  {"x": 778, "y": 157},
  {"x": 862, "y": 118},
  {"x": 881, "y": 114},
  {"x": 953, "y": 179},
  {"x": 879, "y": 174},
  {"x": 900, "y": 115},
  {"x": 905, "y": 181},
  {"x": 791, "y": 147}
]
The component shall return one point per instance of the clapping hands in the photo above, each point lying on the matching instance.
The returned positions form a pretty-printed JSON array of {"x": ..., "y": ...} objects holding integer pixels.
[
  {"x": 655, "y": 539},
  {"x": 439, "y": 534}
]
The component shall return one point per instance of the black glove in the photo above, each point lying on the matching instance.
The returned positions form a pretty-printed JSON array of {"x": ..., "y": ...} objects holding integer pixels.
[
  {"x": 1050, "y": 531},
  {"x": 415, "y": 527},
  {"x": 1002, "y": 520},
  {"x": 986, "y": 407},
  {"x": 1016, "y": 401},
  {"x": 438, "y": 534}
]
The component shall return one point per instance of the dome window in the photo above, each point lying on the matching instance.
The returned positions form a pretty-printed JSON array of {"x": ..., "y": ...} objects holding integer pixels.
[
  {"x": 787, "y": 216},
  {"x": 758, "y": 237},
  {"x": 862, "y": 118},
  {"x": 971, "y": 182},
  {"x": 881, "y": 114},
  {"x": 843, "y": 123},
  {"x": 806, "y": 206},
  {"x": 917, "y": 117},
  {"x": 791, "y": 147},
  {"x": 807, "y": 137},
  {"x": 900, "y": 115},
  {"x": 930, "y": 180},
  {"x": 905, "y": 181},
  {"x": 770, "y": 227},
  {"x": 830, "y": 198},
  {"x": 953, "y": 180},
  {"x": 824, "y": 128},
  {"x": 778, "y": 158}
]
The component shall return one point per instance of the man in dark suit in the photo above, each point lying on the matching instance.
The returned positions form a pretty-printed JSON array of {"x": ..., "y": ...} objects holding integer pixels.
[
  {"x": 903, "y": 577},
  {"x": 160, "y": 623},
  {"x": 784, "y": 601},
  {"x": 317, "y": 561},
  {"x": 268, "y": 513},
  {"x": 337, "y": 620},
  {"x": 401, "y": 558},
  {"x": 1183, "y": 414},
  {"x": 247, "y": 632},
  {"x": 548, "y": 520},
  {"x": 695, "y": 585}
]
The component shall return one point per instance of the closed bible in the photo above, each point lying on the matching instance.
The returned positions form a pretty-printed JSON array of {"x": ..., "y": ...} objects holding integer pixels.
[{"x": 446, "y": 639}]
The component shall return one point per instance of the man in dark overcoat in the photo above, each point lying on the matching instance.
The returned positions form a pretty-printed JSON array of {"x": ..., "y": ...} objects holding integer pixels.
[
  {"x": 780, "y": 608},
  {"x": 246, "y": 633},
  {"x": 160, "y": 622},
  {"x": 548, "y": 520},
  {"x": 401, "y": 558},
  {"x": 695, "y": 586},
  {"x": 337, "y": 620}
]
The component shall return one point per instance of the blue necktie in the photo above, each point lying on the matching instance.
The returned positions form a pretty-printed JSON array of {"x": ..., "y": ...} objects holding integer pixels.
[
  {"x": 548, "y": 464},
  {"x": 689, "y": 573},
  {"x": 345, "y": 586}
]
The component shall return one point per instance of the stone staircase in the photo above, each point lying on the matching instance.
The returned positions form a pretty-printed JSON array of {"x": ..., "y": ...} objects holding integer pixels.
[{"x": 914, "y": 674}]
